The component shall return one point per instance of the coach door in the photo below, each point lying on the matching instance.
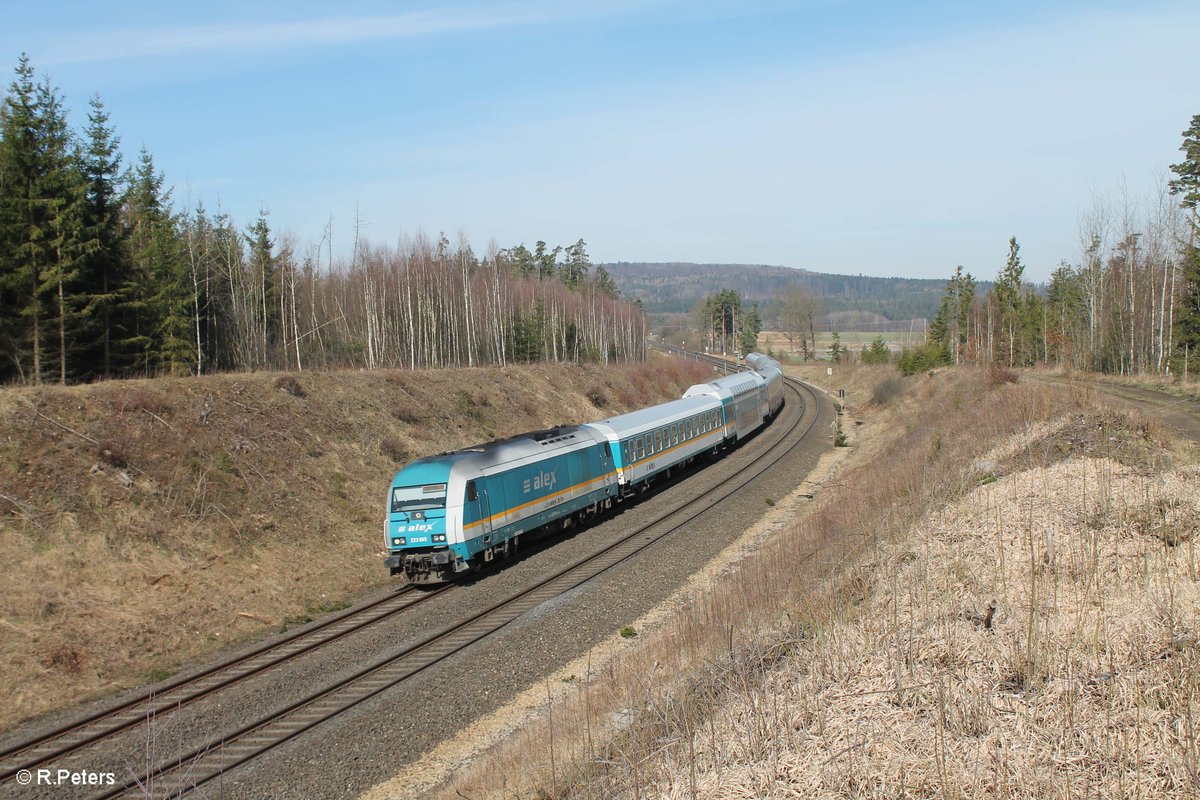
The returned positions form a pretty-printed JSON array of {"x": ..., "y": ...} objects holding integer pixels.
[{"x": 478, "y": 501}]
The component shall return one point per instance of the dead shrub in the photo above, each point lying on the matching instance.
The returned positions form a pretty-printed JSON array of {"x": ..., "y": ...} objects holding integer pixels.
[
  {"x": 394, "y": 448},
  {"x": 407, "y": 414},
  {"x": 113, "y": 453},
  {"x": 63, "y": 658},
  {"x": 887, "y": 390},
  {"x": 597, "y": 397},
  {"x": 998, "y": 374},
  {"x": 289, "y": 385},
  {"x": 139, "y": 398}
]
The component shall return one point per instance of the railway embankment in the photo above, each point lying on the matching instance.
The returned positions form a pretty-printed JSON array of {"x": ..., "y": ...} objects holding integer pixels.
[
  {"x": 146, "y": 524},
  {"x": 997, "y": 594}
]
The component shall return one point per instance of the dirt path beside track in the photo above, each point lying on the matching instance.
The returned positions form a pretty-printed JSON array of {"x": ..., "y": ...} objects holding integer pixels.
[{"x": 1180, "y": 414}]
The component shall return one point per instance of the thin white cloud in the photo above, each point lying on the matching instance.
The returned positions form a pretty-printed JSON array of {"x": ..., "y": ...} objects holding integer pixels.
[{"x": 132, "y": 43}]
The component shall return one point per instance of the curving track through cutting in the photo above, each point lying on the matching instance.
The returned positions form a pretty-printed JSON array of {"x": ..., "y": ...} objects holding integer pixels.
[{"x": 217, "y": 756}]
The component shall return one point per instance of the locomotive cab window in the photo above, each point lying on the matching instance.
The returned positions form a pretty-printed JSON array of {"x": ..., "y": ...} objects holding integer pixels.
[
  {"x": 418, "y": 498},
  {"x": 472, "y": 492}
]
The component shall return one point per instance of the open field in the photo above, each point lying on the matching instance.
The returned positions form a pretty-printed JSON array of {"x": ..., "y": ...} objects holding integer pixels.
[
  {"x": 146, "y": 523},
  {"x": 778, "y": 344},
  {"x": 1010, "y": 608}
]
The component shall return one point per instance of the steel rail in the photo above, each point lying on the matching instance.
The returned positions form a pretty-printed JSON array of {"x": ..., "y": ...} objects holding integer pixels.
[
  {"x": 166, "y": 699},
  {"x": 222, "y": 754}
]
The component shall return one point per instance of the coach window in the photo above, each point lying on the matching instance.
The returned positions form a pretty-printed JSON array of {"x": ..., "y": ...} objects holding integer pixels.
[
  {"x": 641, "y": 448},
  {"x": 658, "y": 441}
]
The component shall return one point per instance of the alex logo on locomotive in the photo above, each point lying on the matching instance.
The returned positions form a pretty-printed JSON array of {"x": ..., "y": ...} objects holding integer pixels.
[{"x": 543, "y": 480}]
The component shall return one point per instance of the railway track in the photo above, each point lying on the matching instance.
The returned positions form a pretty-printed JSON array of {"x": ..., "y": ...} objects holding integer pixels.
[
  {"x": 168, "y": 698},
  {"x": 202, "y": 764},
  {"x": 216, "y": 757}
]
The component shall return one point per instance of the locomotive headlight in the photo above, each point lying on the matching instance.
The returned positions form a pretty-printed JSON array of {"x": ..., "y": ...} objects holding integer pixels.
[
  {"x": 439, "y": 537},
  {"x": 398, "y": 541}
]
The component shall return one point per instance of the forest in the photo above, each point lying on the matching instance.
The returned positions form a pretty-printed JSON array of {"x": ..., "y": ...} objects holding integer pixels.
[
  {"x": 101, "y": 276},
  {"x": 677, "y": 287},
  {"x": 1130, "y": 305}
]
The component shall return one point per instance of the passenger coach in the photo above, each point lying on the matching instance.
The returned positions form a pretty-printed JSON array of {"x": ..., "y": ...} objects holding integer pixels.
[
  {"x": 453, "y": 512},
  {"x": 654, "y": 440}
]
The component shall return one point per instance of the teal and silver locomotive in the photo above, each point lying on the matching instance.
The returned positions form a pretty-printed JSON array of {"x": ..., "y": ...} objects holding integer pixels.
[{"x": 452, "y": 513}]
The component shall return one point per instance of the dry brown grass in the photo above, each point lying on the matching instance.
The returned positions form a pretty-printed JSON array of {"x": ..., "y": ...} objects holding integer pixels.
[
  {"x": 860, "y": 654},
  {"x": 144, "y": 523}
]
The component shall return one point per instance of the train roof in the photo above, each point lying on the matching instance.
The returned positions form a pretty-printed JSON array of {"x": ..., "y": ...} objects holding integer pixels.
[
  {"x": 735, "y": 384},
  {"x": 648, "y": 418},
  {"x": 761, "y": 362},
  {"x": 514, "y": 448}
]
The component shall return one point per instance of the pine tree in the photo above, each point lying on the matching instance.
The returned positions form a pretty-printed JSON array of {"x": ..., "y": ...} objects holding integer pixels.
[
  {"x": 545, "y": 260},
  {"x": 605, "y": 283},
  {"x": 576, "y": 264},
  {"x": 965, "y": 299},
  {"x": 43, "y": 238},
  {"x": 64, "y": 191},
  {"x": 1009, "y": 301},
  {"x": 104, "y": 269},
  {"x": 1065, "y": 314},
  {"x": 520, "y": 260},
  {"x": 264, "y": 272},
  {"x": 835, "y": 348},
  {"x": 1187, "y": 314},
  {"x": 877, "y": 353},
  {"x": 157, "y": 299},
  {"x": 751, "y": 325},
  {"x": 939, "y": 328},
  {"x": 1188, "y": 171},
  {"x": 23, "y": 249}
]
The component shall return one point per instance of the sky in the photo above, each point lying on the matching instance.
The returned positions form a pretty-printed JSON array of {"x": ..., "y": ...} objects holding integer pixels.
[{"x": 881, "y": 138}]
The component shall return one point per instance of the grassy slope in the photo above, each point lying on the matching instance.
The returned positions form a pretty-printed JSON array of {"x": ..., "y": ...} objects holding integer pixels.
[
  {"x": 144, "y": 523},
  {"x": 850, "y": 658}
]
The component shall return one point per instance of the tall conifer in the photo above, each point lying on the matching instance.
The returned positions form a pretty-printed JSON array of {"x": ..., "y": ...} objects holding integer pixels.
[{"x": 104, "y": 270}]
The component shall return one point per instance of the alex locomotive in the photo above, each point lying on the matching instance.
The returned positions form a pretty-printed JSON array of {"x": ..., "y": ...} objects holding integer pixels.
[{"x": 450, "y": 513}]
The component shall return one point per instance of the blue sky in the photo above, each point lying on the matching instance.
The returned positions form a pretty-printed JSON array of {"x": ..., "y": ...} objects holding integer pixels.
[{"x": 885, "y": 138}]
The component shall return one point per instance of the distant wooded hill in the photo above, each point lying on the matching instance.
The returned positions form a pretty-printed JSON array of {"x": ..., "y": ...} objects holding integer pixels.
[{"x": 676, "y": 288}]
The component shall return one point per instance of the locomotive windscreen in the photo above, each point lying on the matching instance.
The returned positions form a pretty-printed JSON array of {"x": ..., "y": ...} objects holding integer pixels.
[{"x": 418, "y": 498}]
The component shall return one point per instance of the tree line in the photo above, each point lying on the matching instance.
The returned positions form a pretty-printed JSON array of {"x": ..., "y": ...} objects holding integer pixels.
[
  {"x": 102, "y": 276},
  {"x": 1130, "y": 305}
]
